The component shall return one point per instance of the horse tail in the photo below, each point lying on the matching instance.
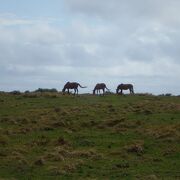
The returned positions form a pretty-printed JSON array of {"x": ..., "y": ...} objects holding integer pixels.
[
  {"x": 107, "y": 88},
  {"x": 132, "y": 89},
  {"x": 82, "y": 86}
]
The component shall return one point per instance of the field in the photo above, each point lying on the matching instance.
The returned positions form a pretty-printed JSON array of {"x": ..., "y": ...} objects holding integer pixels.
[{"x": 51, "y": 136}]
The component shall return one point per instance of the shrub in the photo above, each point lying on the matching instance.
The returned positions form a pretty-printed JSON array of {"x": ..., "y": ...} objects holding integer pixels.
[
  {"x": 46, "y": 90},
  {"x": 15, "y": 92}
]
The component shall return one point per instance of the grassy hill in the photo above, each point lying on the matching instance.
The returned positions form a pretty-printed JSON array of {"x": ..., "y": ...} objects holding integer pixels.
[{"x": 50, "y": 136}]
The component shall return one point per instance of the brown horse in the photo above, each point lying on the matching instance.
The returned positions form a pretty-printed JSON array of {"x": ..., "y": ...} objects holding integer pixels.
[
  {"x": 72, "y": 85},
  {"x": 125, "y": 87},
  {"x": 98, "y": 87}
]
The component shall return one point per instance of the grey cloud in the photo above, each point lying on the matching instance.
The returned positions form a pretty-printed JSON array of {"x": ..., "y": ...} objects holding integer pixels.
[{"x": 158, "y": 10}]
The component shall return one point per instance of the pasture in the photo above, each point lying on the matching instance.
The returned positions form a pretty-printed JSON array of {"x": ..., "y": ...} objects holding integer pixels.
[{"x": 51, "y": 136}]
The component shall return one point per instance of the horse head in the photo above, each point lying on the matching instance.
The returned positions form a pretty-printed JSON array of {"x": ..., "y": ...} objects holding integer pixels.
[
  {"x": 63, "y": 90},
  {"x": 117, "y": 91}
]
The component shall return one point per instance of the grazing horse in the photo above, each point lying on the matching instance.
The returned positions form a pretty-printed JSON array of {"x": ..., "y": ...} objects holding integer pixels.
[
  {"x": 72, "y": 85},
  {"x": 125, "y": 87},
  {"x": 98, "y": 87}
]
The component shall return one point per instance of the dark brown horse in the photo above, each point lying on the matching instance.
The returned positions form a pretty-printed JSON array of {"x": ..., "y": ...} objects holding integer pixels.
[
  {"x": 125, "y": 87},
  {"x": 72, "y": 85},
  {"x": 100, "y": 86}
]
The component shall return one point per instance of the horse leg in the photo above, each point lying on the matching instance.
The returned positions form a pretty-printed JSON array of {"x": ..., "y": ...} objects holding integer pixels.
[
  {"x": 77, "y": 91},
  {"x": 132, "y": 90},
  {"x": 121, "y": 91}
]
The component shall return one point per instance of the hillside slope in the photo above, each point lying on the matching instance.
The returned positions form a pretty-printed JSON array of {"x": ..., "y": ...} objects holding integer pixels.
[{"x": 50, "y": 136}]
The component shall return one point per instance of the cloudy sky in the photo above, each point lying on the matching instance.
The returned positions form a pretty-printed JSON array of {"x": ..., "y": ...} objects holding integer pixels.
[{"x": 45, "y": 43}]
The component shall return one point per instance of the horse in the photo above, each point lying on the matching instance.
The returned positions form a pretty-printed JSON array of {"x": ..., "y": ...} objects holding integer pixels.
[
  {"x": 125, "y": 87},
  {"x": 100, "y": 86},
  {"x": 72, "y": 85}
]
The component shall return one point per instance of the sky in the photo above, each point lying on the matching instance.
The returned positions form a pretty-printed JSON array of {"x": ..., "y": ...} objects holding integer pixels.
[{"x": 45, "y": 43}]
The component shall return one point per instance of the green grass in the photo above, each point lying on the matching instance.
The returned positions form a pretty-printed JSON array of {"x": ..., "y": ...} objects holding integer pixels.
[{"x": 50, "y": 136}]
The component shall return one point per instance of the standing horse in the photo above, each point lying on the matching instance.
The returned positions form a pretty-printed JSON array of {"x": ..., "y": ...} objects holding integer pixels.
[
  {"x": 72, "y": 85},
  {"x": 125, "y": 87},
  {"x": 98, "y": 87}
]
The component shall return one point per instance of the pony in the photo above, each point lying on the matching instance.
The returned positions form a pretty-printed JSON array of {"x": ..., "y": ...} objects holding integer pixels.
[
  {"x": 100, "y": 86},
  {"x": 72, "y": 85},
  {"x": 125, "y": 87}
]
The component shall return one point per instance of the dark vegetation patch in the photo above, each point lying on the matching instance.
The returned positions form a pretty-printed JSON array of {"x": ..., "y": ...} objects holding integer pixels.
[
  {"x": 45, "y": 135},
  {"x": 135, "y": 147}
]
